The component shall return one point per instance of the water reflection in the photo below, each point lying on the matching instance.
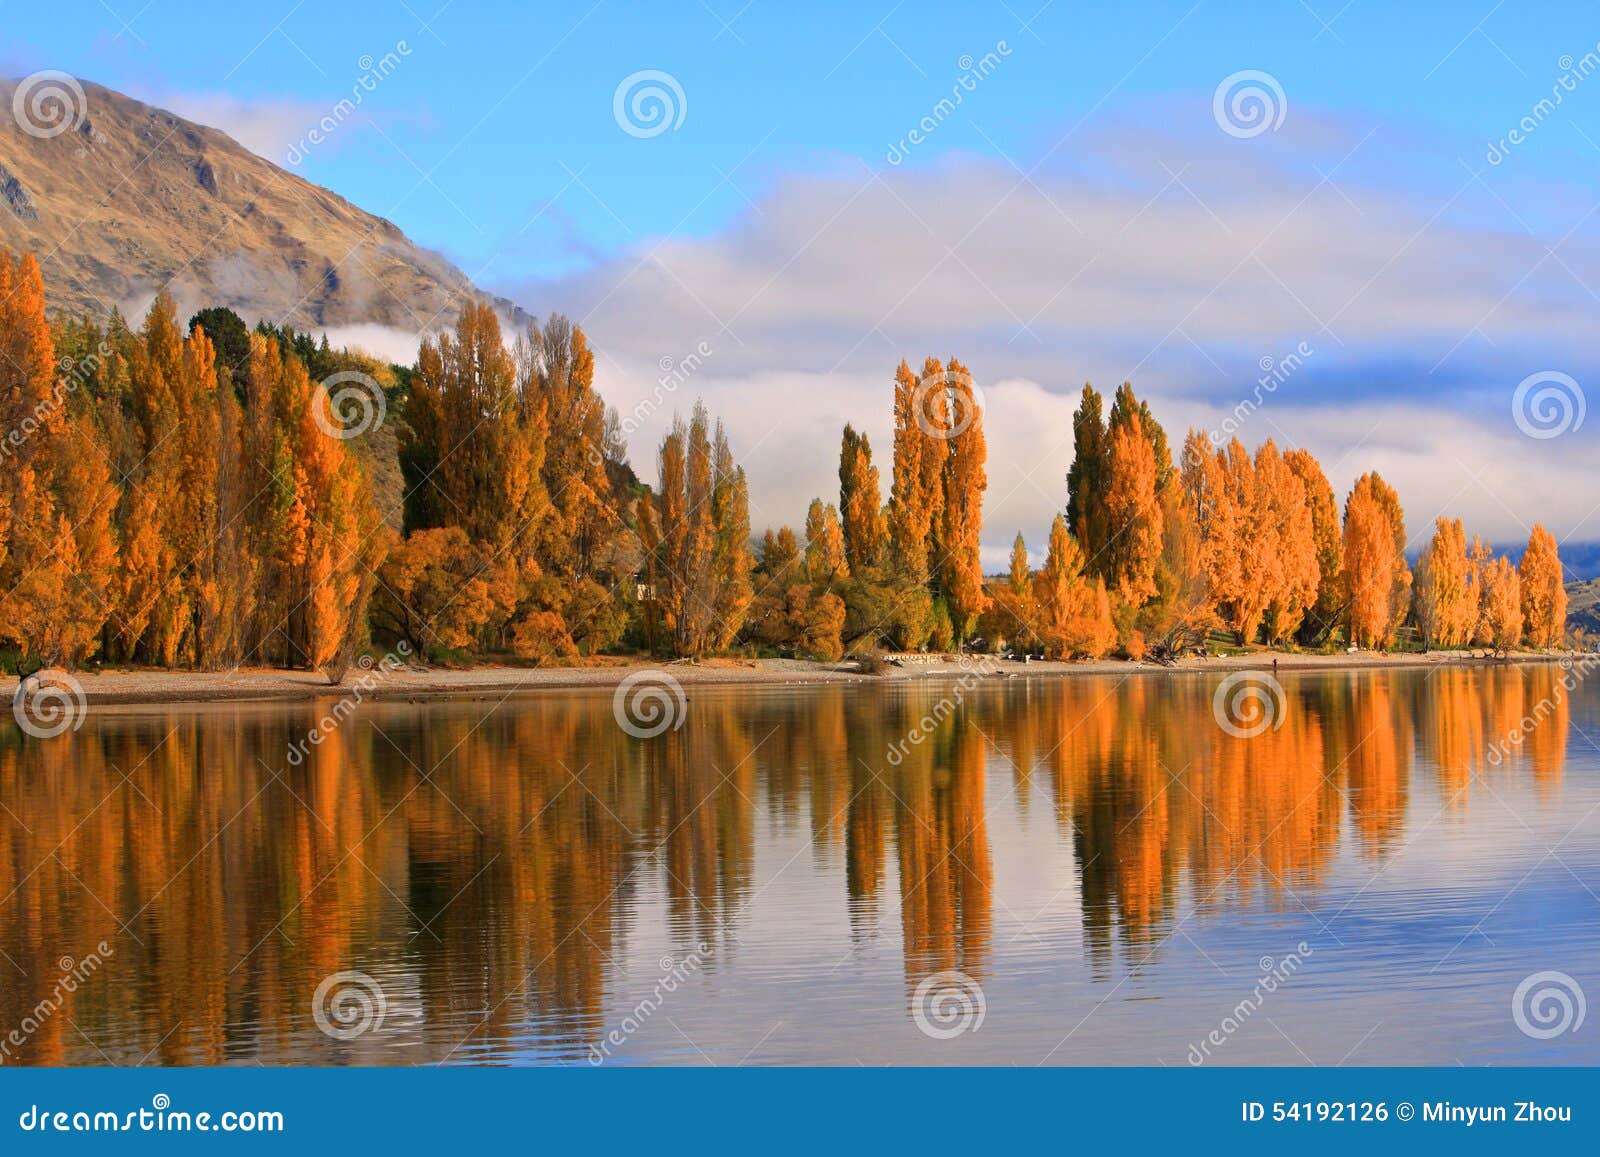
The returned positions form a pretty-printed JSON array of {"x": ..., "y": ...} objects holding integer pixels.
[{"x": 507, "y": 870}]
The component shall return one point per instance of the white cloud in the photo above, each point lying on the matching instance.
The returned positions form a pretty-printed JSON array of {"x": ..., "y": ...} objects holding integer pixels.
[{"x": 267, "y": 128}]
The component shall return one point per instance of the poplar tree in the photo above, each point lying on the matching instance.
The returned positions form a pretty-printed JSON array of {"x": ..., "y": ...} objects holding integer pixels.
[{"x": 1544, "y": 597}]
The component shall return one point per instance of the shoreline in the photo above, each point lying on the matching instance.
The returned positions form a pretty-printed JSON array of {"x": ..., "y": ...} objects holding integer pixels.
[{"x": 200, "y": 688}]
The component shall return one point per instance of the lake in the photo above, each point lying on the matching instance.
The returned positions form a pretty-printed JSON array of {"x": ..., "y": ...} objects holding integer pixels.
[{"x": 1378, "y": 867}]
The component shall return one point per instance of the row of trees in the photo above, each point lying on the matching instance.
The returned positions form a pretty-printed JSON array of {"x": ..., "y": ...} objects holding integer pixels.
[
  {"x": 196, "y": 498},
  {"x": 1255, "y": 544},
  {"x": 906, "y": 573},
  {"x": 160, "y": 509}
]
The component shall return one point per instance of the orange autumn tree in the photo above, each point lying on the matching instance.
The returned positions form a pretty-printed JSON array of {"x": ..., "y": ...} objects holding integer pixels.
[
  {"x": 1287, "y": 546},
  {"x": 916, "y": 491},
  {"x": 964, "y": 481},
  {"x": 1241, "y": 556},
  {"x": 1377, "y": 579},
  {"x": 431, "y": 591},
  {"x": 1443, "y": 597},
  {"x": 825, "y": 544},
  {"x": 1074, "y": 611},
  {"x": 1327, "y": 540},
  {"x": 1133, "y": 517},
  {"x": 932, "y": 587},
  {"x": 1502, "y": 604},
  {"x": 57, "y": 543},
  {"x": 859, "y": 503},
  {"x": 1212, "y": 508},
  {"x": 1544, "y": 597},
  {"x": 1012, "y": 614},
  {"x": 703, "y": 559},
  {"x": 1086, "y": 485}
]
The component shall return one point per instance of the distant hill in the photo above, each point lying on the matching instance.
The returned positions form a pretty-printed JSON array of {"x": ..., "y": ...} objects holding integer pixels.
[
  {"x": 1583, "y": 605},
  {"x": 133, "y": 198},
  {"x": 1579, "y": 560}
]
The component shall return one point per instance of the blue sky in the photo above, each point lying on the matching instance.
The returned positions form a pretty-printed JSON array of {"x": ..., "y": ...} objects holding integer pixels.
[
  {"x": 499, "y": 105},
  {"x": 1084, "y": 213}
]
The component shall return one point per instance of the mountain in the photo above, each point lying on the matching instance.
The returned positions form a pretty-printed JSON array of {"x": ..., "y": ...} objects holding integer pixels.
[
  {"x": 128, "y": 198},
  {"x": 1583, "y": 606}
]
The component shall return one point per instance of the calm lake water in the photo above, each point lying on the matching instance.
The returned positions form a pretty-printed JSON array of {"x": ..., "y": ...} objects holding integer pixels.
[{"x": 835, "y": 875}]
